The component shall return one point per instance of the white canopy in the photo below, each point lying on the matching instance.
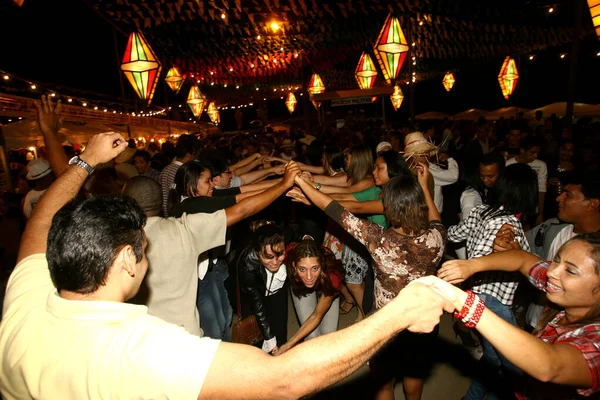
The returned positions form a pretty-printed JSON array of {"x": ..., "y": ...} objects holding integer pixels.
[
  {"x": 472, "y": 115},
  {"x": 506, "y": 112},
  {"x": 432, "y": 115},
  {"x": 560, "y": 109}
]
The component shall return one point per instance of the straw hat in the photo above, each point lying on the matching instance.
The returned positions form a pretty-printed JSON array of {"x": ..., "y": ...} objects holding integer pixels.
[
  {"x": 37, "y": 169},
  {"x": 125, "y": 155},
  {"x": 287, "y": 143},
  {"x": 307, "y": 140},
  {"x": 415, "y": 144}
]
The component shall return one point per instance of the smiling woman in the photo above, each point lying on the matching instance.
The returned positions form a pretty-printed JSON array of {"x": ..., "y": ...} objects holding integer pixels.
[{"x": 561, "y": 358}]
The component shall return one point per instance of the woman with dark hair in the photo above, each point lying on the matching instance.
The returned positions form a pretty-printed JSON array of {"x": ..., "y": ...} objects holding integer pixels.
[
  {"x": 316, "y": 280},
  {"x": 513, "y": 196},
  {"x": 262, "y": 280},
  {"x": 561, "y": 169},
  {"x": 561, "y": 359},
  {"x": 411, "y": 248}
]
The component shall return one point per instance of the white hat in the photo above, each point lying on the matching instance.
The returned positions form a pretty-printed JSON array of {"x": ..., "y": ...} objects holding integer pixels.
[
  {"x": 382, "y": 146},
  {"x": 307, "y": 140},
  {"x": 37, "y": 169}
]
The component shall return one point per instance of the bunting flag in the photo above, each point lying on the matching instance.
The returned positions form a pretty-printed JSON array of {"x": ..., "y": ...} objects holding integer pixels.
[
  {"x": 196, "y": 101},
  {"x": 448, "y": 81},
  {"x": 365, "y": 72},
  {"x": 595, "y": 13},
  {"x": 391, "y": 49},
  {"x": 291, "y": 102},
  {"x": 508, "y": 77},
  {"x": 213, "y": 113},
  {"x": 397, "y": 97},
  {"x": 174, "y": 79},
  {"x": 141, "y": 67}
]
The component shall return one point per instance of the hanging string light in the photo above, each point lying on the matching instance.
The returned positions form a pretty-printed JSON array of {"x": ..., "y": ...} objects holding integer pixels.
[
  {"x": 391, "y": 49},
  {"x": 365, "y": 72},
  {"x": 508, "y": 77},
  {"x": 141, "y": 67},
  {"x": 448, "y": 81}
]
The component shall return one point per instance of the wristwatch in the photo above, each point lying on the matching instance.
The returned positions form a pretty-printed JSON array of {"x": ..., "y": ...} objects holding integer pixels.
[
  {"x": 318, "y": 186},
  {"x": 82, "y": 164}
]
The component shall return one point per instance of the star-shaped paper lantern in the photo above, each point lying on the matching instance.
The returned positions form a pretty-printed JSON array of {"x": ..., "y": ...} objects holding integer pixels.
[
  {"x": 595, "y": 12},
  {"x": 291, "y": 102},
  {"x": 365, "y": 72},
  {"x": 141, "y": 67},
  {"x": 315, "y": 86},
  {"x": 448, "y": 81},
  {"x": 213, "y": 113},
  {"x": 196, "y": 101},
  {"x": 174, "y": 79},
  {"x": 391, "y": 49},
  {"x": 508, "y": 77},
  {"x": 397, "y": 97}
]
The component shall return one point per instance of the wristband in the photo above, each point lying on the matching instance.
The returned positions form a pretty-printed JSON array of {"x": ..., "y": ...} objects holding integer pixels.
[
  {"x": 467, "y": 306},
  {"x": 476, "y": 315}
]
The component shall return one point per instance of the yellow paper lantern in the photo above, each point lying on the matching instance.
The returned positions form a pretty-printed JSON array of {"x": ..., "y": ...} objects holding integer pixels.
[
  {"x": 508, "y": 77},
  {"x": 397, "y": 97},
  {"x": 448, "y": 81},
  {"x": 291, "y": 102},
  {"x": 213, "y": 113},
  {"x": 196, "y": 101},
  {"x": 174, "y": 79},
  {"x": 365, "y": 72},
  {"x": 595, "y": 12},
  {"x": 141, "y": 67}
]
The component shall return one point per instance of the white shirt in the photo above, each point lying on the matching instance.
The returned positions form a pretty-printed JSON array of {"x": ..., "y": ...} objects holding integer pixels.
[
  {"x": 540, "y": 169},
  {"x": 275, "y": 281},
  {"x": 31, "y": 199},
  {"x": 53, "y": 348},
  {"x": 469, "y": 199},
  {"x": 443, "y": 177}
]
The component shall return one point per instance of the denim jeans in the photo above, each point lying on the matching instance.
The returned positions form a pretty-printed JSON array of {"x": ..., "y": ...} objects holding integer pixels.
[
  {"x": 493, "y": 360},
  {"x": 213, "y": 303}
]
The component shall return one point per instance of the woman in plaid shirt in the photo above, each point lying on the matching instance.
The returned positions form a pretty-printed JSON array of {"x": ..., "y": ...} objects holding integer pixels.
[{"x": 562, "y": 357}]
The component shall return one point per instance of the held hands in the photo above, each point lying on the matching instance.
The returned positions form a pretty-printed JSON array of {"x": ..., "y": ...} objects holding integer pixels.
[
  {"x": 277, "y": 351},
  {"x": 456, "y": 271},
  {"x": 49, "y": 119},
  {"x": 291, "y": 172},
  {"x": 103, "y": 147},
  {"x": 421, "y": 306},
  {"x": 505, "y": 239},
  {"x": 270, "y": 159},
  {"x": 278, "y": 170},
  {"x": 449, "y": 292},
  {"x": 298, "y": 196}
]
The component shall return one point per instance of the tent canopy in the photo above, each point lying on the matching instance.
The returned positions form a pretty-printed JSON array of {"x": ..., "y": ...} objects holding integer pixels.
[
  {"x": 432, "y": 115},
  {"x": 506, "y": 112},
  {"x": 471, "y": 115},
  {"x": 560, "y": 109}
]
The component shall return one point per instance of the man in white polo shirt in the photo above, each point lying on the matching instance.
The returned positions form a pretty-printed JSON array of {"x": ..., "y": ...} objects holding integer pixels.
[{"x": 67, "y": 332}]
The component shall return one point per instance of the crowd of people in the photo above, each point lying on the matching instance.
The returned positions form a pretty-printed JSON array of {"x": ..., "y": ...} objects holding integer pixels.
[{"x": 132, "y": 258}]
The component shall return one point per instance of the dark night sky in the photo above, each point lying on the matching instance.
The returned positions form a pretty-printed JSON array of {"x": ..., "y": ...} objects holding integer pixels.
[{"x": 66, "y": 43}]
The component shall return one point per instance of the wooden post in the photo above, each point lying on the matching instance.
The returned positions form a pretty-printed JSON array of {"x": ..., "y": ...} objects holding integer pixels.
[
  {"x": 573, "y": 61},
  {"x": 4, "y": 161}
]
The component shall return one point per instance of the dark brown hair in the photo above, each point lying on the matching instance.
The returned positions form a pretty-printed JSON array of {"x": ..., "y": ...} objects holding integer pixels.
[
  {"x": 404, "y": 204},
  {"x": 325, "y": 258},
  {"x": 593, "y": 315}
]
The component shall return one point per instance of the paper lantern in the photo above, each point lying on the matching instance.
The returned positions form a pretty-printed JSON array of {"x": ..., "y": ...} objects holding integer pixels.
[
  {"x": 290, "y": 102},
  {"x": 365, "y": 72},
  {"x": 448, "y": 81},
  {"x": 595, "y": 12},
  {"x": 213, "y": 113},
  {"x": 141, "y": 67},
  {"x": 315, "y": 86},
  {"x": 397, "y": 97},
  {"x": 508, "y": 77},
  {"x": 174, "y": 79},
  {"x": 196, "y": 101},
  {"x": 391, "y": 49}
]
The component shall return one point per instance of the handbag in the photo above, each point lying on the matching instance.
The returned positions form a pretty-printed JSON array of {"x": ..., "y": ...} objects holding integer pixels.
[{"x": 246, "y": 330}]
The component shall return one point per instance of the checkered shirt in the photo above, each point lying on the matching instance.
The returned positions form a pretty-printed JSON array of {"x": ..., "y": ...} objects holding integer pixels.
[
  {"x": 480, "y": 235},
  {"x": 167, "y": 178},
  {"x": 585, "y": 338}
]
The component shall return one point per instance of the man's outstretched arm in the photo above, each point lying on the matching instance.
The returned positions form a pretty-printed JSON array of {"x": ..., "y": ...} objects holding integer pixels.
[{"x": 101, "y": 148}]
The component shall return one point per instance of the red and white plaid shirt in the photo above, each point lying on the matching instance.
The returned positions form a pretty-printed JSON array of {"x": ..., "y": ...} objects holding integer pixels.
[{"x": 585, "y": 338}]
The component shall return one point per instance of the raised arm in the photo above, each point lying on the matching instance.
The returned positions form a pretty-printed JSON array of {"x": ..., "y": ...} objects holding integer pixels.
[
  {"x": 254, "y": 204},
  {"x": 338, "y": 180},
  {"x": 423, "y": 177},
  {"x": 355, "y": 187},
  {"x": 100, "y": 149},
  {"x": 456, "y": 271},
  {"x": 309, "y": 325},
  {"x": 313, "y": 169},
  {"x": 562, "y": 364},
  {"x": 245, "y": 161},
  {"x": 370, "y": 207},
  {"x": 49, "y": 122},
  {"x": 252, "y": 187},
  {"x": 253, "y": 176}
]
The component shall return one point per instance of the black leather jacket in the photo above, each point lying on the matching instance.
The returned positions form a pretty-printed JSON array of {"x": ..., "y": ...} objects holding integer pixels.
[{"x": 253, "y": 278}]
